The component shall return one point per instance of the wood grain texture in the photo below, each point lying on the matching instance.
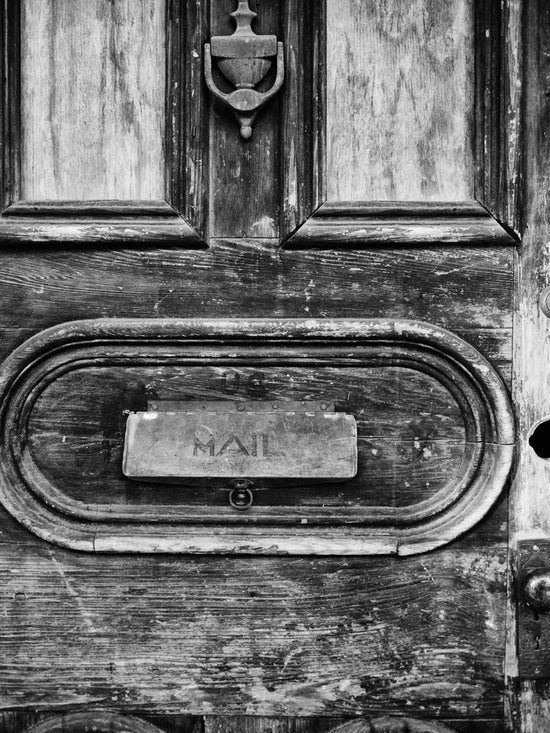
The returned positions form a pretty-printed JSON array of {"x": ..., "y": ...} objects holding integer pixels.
[
  {"x": 529, "y": 510},
  {"x": 361, "y": 224},
  {"x": 362, "y": 725},
  {"x": 10, "y": 115},
  {"x": 270, "y": 637},
  {"x": 499, "y": 88},
  {"x": 462, "y": 502},
  {"x": 89, "y": 720},
  {"x": 400, "y": 100},
  {"x": 244, "y": 174},
  {"x": 18, "y": 723},
  {"x": 92, "y": 209},
  {"x": 303, "y": 112},
  {"x": 96, "y": 721},
  {"x": 93, "y": 116},
  {"x": 463, "y": 288},
  {"x": 84, "y": 222},
  {"x": 399, "y": 725},
  {"x": 407, "y": 450},
  {"x": 421, "y": 637},
  {"x": 187, "y": 146}
]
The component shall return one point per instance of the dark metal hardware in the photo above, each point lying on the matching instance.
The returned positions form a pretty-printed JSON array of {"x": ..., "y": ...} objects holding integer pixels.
[
  {"x": 241, "y": 496},
  {"x": 536, "y": 591},
  {"x": 244, "y": 59},
  {"x": 544, "y": 301},
  {"x": 534, "y": 609}
]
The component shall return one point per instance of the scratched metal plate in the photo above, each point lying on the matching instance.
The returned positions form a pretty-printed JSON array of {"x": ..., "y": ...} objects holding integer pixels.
[{"x": 210, "y": 443}]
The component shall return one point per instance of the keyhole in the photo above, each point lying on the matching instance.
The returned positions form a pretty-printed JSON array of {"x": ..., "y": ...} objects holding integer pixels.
[{"x": 539, "y": 440}]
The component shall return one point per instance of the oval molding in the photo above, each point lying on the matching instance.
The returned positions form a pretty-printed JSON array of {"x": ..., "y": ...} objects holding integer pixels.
[
  {"x": 93, "y": 722},
  {"x": 461, "y": 369},
  {"x": 391, "y": 725}
]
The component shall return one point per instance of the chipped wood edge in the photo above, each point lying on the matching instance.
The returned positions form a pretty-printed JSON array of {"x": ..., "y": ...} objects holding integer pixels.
[
  {"x": 53, "y": 222},
  {"x": 361, "y": 224},
  {"x": 140, "y": 536},
  {"x": 38, "y": 231}
]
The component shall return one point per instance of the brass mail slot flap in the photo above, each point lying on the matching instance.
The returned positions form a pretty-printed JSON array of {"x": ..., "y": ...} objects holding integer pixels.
[{"x": 239, "y": 444}]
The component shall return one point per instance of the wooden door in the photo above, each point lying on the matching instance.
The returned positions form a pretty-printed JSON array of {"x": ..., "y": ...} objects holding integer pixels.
[{"x": 370, "y": 241}]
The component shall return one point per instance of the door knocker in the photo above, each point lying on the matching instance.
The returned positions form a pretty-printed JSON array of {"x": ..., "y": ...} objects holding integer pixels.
[{"x": 244, "y": 59}]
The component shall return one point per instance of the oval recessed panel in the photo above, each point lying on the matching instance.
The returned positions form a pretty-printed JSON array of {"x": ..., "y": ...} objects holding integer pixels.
[{"x": 433, "y": 424}]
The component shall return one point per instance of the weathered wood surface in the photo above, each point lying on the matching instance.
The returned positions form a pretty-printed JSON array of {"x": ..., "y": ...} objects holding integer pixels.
[
  {"x": 529, "y": 506},
  {"x": 93, "y": 96},
  {"x": 187, "y": 130},
  {"x": 89, "y": 208},
  {"x": 463, "y": 501},
  {"x": 407, "y": 450},
  {"x": 240, "y": 724},
  {"x": 296, "y": 636},
  {"x": 385, "y": 724},
  {"x": 348, "y": 224},
  {"x": 422, "y": 637},
  {"x": 400, "y": 99},
  {"x": 88, "y": 222},
  {"x": 10, "y": 127},
  {"x": 498, "y": 108},
  {"x": 303, "y": 113},
  {"x": 244, "y": 174},
  {"x": 19, "y": 723},
  {"x": 447, "y": 656},
  {"x": 97, "y": 721},
  {"x": 465, "y": 289}
]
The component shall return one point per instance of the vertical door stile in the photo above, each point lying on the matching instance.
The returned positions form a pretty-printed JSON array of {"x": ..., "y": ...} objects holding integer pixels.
[{"x": 529, "y": 699}]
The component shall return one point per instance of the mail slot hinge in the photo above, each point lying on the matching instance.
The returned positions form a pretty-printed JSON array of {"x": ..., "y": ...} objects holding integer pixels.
[{"x": 224, "y": 406}]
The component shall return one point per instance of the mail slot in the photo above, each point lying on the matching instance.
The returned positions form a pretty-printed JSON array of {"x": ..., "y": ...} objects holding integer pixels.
[{"x": 178, "y": 440}]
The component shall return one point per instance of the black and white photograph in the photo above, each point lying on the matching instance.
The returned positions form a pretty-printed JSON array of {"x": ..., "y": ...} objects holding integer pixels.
[{"x": 275, "y": 366}]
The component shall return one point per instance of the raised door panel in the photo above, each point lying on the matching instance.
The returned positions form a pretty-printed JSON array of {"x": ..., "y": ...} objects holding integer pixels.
[
  {"x": 420, "y": 135},
  {"x": 99, "y": 139}
]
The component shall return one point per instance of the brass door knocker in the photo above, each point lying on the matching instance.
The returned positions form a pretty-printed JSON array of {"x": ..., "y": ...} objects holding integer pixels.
[{"x": 244, "y": 59}]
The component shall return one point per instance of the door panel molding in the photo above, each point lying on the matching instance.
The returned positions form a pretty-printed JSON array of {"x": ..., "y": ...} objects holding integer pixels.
[
  {"x": 466, "y": 497},
  {"x": 314, "y": 221},
  {"x": 180, "y": 218},
  {"x": 380, "y": 223}
]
